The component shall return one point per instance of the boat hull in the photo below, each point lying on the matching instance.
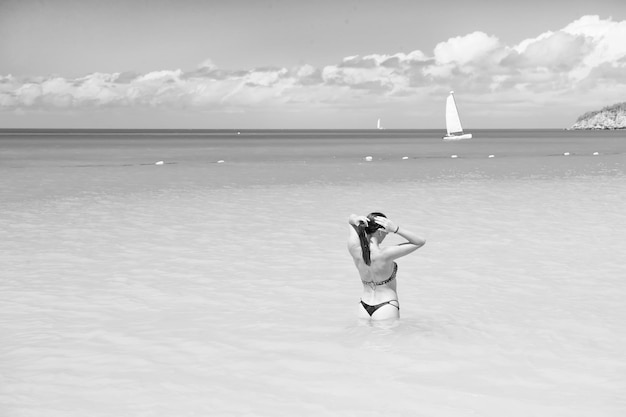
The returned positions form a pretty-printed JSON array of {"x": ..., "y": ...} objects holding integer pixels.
[{"x": 458, "y": 137}]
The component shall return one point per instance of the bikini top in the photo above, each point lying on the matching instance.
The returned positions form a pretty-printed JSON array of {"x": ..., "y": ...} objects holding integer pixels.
[{"x": 388, "y": 280}]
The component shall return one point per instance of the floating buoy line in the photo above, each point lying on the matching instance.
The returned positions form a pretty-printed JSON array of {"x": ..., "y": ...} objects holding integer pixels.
[{"x": 370, "y": 158}]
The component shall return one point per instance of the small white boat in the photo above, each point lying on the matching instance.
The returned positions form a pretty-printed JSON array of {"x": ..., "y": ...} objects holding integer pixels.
[
  {"x": 453, "y": 122},
  {"x": 379, "y": 126}
]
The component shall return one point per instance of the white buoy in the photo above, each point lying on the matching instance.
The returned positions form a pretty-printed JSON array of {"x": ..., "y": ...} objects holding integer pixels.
[
  {"x": 239, "y": 133},
  {"x": 159, "y": 163},
  {"x": 492, "y": 156},
  {"x": 405, "y": 157},
  {"x": 221, "y": 161},
  {"x": 596, "y": 153},
  {"x": 368, "y": 158},
  {"x": 454, "y": 156},
  {"x": 566, "y": 154}
]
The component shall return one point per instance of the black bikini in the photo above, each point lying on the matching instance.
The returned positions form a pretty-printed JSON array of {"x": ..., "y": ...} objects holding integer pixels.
[{"x": 372, "y": 309}]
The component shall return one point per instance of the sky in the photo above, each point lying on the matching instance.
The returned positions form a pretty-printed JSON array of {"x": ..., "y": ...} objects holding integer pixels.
[{"x": 303, "y": 64}]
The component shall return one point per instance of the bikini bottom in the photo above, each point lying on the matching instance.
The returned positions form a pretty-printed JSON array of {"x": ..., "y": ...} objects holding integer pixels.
[{"x": 372, "y": 309}]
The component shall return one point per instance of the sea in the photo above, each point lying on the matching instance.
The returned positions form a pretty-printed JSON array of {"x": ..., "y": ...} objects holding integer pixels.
[{"x": 205, "y": 273}]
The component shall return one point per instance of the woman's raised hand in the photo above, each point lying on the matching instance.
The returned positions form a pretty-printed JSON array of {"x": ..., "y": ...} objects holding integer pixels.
[
  {"x": 356, "y": 220},
  {"x": 388, "y": 225}
]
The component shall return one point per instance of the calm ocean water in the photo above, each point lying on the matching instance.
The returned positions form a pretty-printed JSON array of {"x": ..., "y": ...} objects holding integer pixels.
[
  {"x": 47, "y": 163},
  {"x": 218, "y": 283}
]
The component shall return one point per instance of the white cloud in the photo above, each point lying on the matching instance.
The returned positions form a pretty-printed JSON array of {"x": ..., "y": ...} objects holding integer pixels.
[
  {"x": 559, "y": 64},
  {"x": 465, "y": 49},
  {"x": 560, "y": 52},
  {"x": 28, "y": 94},
  {"x": 265, "y": 78},
  {"x": 305, "y": 71},
  {"x": 578, "y": 48},
  {"x": 160, "y": 76},
  {"x": 100, "y": 88},
  {"x": 607, "y": 40},
  {"x": 523, "y": 45},
  {"x": 592, "y": 26}
]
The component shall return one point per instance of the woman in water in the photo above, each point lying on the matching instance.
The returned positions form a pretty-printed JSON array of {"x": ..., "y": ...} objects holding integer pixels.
[{"x": 376, "y": 263}]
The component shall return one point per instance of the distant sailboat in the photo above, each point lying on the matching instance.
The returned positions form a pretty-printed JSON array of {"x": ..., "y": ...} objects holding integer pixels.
[
  {"x": 453, "y": 123},
  {"x": 379, "y": 126}
]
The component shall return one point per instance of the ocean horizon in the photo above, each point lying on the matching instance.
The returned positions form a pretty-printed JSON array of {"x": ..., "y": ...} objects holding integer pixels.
[{"x": 234, "y": 130}]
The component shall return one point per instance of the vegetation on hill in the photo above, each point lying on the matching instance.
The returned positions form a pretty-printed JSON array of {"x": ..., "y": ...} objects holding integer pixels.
[{"x": 610, "y": 117}]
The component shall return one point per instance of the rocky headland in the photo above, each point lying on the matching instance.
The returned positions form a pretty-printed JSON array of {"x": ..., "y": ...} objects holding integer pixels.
[{"x": 611, "y": 117}]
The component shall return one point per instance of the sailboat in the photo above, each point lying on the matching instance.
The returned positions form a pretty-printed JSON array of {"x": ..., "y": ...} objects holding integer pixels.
[
  {"x": 453, "y": 123},
  {"x": 379, "y": 126}
]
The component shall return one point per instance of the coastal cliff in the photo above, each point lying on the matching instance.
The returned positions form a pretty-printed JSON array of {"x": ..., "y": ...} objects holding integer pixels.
[{"x": 611, "y": 117}]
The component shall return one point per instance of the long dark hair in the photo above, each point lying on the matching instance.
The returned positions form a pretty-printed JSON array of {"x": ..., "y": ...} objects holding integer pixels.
[{"x": 364, "y": 231}]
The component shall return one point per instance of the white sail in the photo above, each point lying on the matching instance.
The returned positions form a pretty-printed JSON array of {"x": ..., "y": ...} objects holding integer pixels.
[
  {"x": 453, "y": 122},
  {"x": 378, "y": 125}
]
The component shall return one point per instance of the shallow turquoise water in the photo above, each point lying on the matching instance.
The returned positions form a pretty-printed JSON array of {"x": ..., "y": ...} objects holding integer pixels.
[{"x": 197, "y": 288}]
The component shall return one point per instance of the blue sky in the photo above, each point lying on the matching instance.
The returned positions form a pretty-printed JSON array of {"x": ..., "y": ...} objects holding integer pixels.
[{"x": 307, "y": 64}]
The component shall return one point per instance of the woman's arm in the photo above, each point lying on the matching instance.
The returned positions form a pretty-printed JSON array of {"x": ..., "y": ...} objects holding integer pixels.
[
  {"x": 414, "y": 242},
  {"x": 393, "y": 252}
]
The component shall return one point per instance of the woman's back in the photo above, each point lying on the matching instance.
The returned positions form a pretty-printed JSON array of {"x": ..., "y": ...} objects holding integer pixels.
[{"x": 379, "y": 269}]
